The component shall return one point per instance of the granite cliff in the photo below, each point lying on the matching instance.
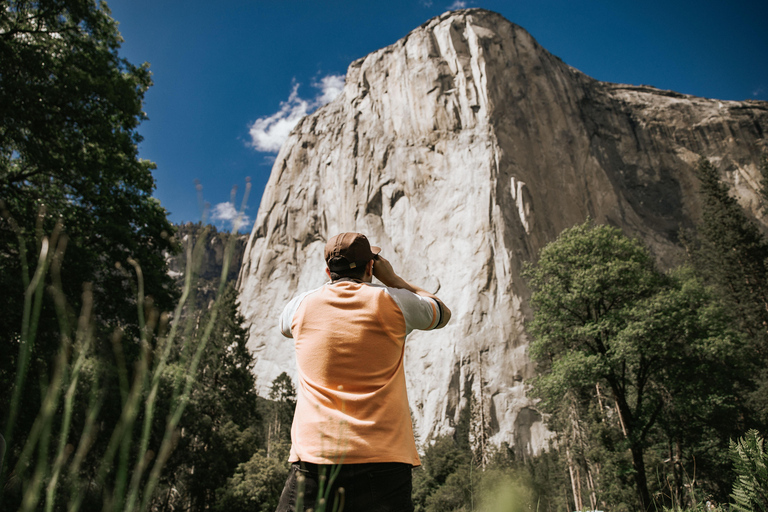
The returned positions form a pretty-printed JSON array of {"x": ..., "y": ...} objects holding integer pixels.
[
  {"x": 211, "y": 260},
  {"x": 461, "y": 150}
]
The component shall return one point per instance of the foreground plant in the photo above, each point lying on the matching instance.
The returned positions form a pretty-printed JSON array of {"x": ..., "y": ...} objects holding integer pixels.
[
  {"x": 50, "y": 468},
  {"x": 750, "y": 461}
]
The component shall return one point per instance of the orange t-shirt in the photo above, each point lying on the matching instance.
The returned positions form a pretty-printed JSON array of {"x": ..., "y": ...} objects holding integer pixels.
[{"x": 352, "y": 405}]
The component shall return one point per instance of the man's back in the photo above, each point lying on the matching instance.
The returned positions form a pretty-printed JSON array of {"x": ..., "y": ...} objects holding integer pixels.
[
  {"x": 352, "y": 439},
  {"x": 350, "y": 342}
]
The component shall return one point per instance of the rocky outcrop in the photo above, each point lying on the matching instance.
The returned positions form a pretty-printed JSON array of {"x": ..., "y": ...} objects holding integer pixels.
[
  {"x": 462, "y": 150},
  {"x": 207, "y": 262}
]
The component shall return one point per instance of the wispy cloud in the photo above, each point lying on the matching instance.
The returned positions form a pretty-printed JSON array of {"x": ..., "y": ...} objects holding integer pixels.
[
  {"x": 330, "y": 88},
  {"x": 757, "y": 92},
  {"x": 226, "y": 213},
  {"x": 458, "y": 4},
  {"x": 268, "y": 133}
]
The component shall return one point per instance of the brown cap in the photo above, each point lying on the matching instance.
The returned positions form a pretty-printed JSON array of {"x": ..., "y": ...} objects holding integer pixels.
[{"x": 348, "y": 250}]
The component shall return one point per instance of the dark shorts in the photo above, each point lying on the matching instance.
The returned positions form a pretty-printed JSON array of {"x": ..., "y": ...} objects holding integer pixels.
[{"x": 372, "y": 487}]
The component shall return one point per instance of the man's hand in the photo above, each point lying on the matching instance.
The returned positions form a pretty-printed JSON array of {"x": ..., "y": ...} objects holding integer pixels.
[{"x": 383, "y": 271}]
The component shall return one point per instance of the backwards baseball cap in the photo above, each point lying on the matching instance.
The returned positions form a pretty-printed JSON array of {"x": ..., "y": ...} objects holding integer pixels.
[{"x": 348, "y": 250}]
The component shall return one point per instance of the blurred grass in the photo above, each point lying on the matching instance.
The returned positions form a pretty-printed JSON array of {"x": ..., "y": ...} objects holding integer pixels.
[{"x": 48, "y": 467}]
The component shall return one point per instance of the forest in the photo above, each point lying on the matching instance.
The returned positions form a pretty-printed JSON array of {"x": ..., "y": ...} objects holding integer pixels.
[{"x": 127, "y": 383}]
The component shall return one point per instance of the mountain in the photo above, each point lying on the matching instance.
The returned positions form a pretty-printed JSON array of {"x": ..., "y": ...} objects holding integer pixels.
[
  {"x": 208, "y": 262},
  {"x": 461, "y": 150}
]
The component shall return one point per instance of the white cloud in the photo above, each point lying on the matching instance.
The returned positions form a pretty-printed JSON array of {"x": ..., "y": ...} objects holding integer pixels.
[
  {"x": 330, "y": 87},
  {"x": 458, "y": 4},
  {"x": 226, "y": 212},
  {"x": 757, "y": 92},
  {"x": 268, "y": 133}
]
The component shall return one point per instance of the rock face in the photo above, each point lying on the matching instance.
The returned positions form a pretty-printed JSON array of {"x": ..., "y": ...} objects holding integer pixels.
[
  {"x": 211, "y": 260},
  {"x": 462, "y": 150}
]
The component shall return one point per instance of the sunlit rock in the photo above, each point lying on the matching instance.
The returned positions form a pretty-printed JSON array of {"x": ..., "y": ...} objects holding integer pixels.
[{"x": 462, "y": 150}]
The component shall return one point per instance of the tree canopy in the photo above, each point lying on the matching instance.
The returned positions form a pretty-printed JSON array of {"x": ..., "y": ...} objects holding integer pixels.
[
  {"x": 642, "y": 353},
  {"x": 70, "y": 176},
  {"x": 70, "y": 107},
  {"x": 78, "y": 222},
  {"x": 731, "y": 252}
]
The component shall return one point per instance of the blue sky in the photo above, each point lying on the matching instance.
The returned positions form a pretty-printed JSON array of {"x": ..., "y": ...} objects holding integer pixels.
[{"x": 230, "y": 77}]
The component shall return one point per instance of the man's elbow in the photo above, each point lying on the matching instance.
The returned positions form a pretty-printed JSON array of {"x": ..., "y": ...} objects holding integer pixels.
[
  {"x": 446, "y": 316},
  {"x": 285, "y": 331}
]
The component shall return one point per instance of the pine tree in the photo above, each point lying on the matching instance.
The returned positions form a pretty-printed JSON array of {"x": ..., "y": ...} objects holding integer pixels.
[
  {"x": 221, "y": 423},
  {"x": 731, "y": 253},
  {"x": 280, "y": 416},
  {"x": 764, "y": 183}
]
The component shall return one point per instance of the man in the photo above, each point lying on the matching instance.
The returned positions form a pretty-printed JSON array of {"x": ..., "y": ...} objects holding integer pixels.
[{"x": 352, "y": 440}]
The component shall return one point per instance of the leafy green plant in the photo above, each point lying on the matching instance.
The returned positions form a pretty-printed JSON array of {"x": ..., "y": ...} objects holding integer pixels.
[
  {"x": 255, "y": 486},
  {"x": 633, "y": 362},
  {"x": 750, "y": 461}
]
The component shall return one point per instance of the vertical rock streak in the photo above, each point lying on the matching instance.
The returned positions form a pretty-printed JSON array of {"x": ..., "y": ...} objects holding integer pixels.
[{"x": 461, "y": 150}]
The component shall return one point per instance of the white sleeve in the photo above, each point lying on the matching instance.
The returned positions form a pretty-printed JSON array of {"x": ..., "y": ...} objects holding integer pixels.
[
  {"x": 420, "y": 312},
  {"x": 286, "y": 318}
]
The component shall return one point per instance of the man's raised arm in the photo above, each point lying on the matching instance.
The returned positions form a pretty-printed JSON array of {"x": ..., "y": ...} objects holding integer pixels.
[{"x": 383, "y": 271}]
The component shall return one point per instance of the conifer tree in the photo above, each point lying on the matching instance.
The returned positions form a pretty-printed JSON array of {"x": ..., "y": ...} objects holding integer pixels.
[
  {"x": 221, "y": 423},
  {"x": 764, "y": 182},
  {"x": 282, "y": 405},
  {"x": 731, "y": 253}
]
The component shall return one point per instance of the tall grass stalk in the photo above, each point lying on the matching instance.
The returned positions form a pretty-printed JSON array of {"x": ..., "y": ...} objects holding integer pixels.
[
  {"x": 82, "y": 344},
  {"x": 33, "y": 288},
  {"x": 38, "y": 469}
]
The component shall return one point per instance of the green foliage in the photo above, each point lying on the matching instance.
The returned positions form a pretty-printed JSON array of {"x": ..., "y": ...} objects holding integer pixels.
[
  {"x": 102, "y": 382},
  {"x": 764, "y": 182},
  {"x": 69, "y": 111},
  {"x": 731, "y": 253},
  {"x": 71, "y": 183},
  {"x": 191, "y": 390},
  {"x": 633, "y": 360},
  {"x": 646, "y": 369},
  {"x": 221, "y": 423},
  {"x": 442, "y": 482},
  {"x": 455, "y": 495},
  {"x": 256, "y": 485},
  {"x": 451, "y": 481},
  {"x": 503, "y": 490},
  {"x": 587, "y": 285},
  {"x": 549, "y": 481},
  {"x": 279, "y": 414},
  {"x": 282, "y": 390},
  {"x": 444, "y": 458},
  {"x": 750, "y": 462}
]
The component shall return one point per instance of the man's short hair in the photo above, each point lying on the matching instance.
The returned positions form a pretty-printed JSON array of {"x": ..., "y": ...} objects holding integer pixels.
[{"x": 352, "y": 273}]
